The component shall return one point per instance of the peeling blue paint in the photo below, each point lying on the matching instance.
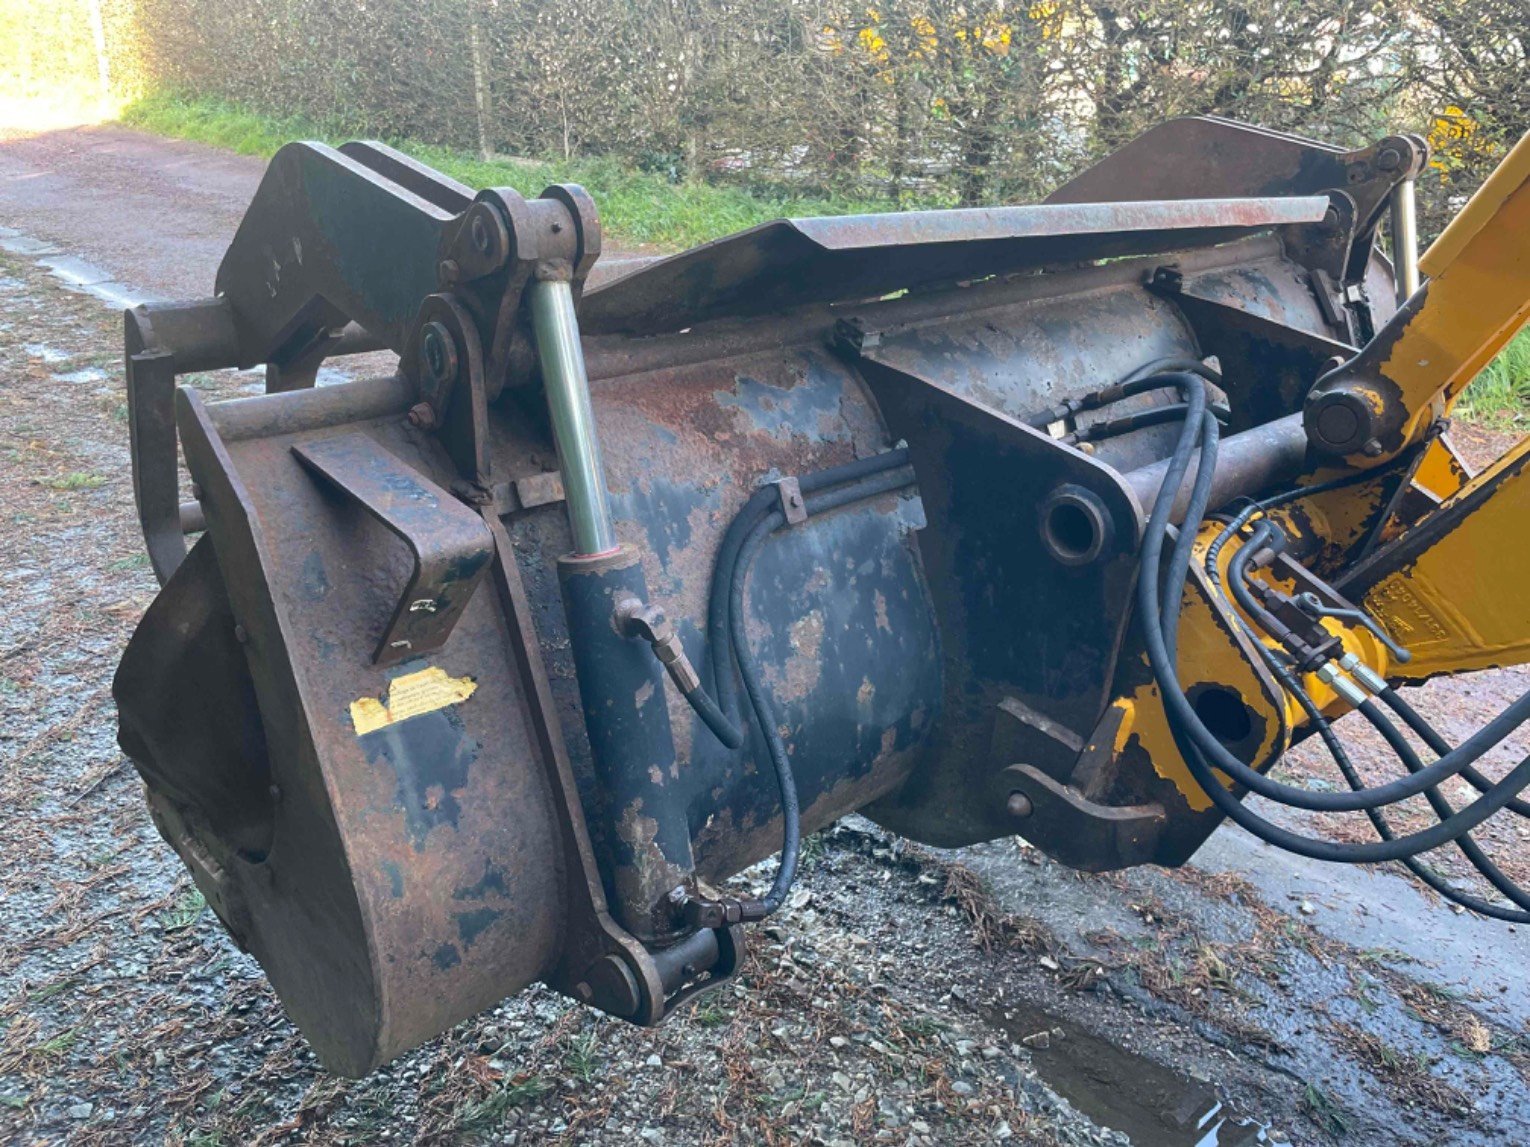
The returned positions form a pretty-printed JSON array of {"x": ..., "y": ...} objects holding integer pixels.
[
  {"x": 811, "y": 408},
  {"x": 470, "y": 925}
]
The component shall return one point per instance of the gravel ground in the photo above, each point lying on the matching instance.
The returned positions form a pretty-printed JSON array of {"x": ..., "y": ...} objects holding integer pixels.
[{"x": 906, "y": 996}]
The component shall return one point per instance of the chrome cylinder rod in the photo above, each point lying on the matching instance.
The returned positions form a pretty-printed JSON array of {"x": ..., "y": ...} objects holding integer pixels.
[
  {"x": 1405, "y": 240},
  {"x": 573, "y": 421}
]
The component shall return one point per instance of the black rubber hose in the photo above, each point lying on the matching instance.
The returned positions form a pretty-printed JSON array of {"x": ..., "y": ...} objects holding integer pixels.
[
  {"x": 1184, "y": 542},
  {"x": 1175, "y": 364},
  {"x": 760, "y": 503},
  {"x": 1324, "y": 729},
  {"x": 1449, "y": 764},
  {"x": 759, "y": 700},
  {"x": 1289, "y": 496},
  {"x": 868, "y": 485},
  {"x": 1164, "y": 378},
  {"x": 1443, "y": 808},
  {"x": 1394, "y": 700},
  {"x": 1237, "y": 578},
  {"x": 1137, "y": 420},
  {"x": 1183, "y": 722},
  {"x": 1341, "y": 758},
  {"x": 751, "y": 514},
  {"x": 1437, "y": 744},
  {"x": 714, "y": 718}
]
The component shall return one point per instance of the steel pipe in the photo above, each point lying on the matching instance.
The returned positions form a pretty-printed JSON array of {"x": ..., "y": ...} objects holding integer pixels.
[
  {"x": 1405, "y": 240},
  {"x": 1254, "y": 461},
  {"x": 193, "y": 520},
  {"x": 556, "y": 329}
]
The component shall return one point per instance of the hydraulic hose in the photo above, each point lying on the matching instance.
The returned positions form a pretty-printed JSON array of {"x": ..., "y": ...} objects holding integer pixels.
[
  {"x": 1442, "y": 807},
  {"x": 1450, "y": 764},
  {"x": 1324, "y": 728},
  {"x": 764, "y": 715},
  {"x": 1439, "y": 746},
  {"x": 1389, "y": 696},
  {"x": 760, "y": 503},
  {"x": 1176, "y": 364},
  {"x": 1172, "y": 596},
  {"x": 1341, "y": 758},
  {"x": 830, "y": 490},
  {"x": 1137, "y": 420},
  {"x": 1200, "y": 494},
  {"x": 714, "y": 718},
  {"x": 1192, "y": 737},
  {"x": 1264, "y": 505},
  {"x": 1161, "y": 375}
]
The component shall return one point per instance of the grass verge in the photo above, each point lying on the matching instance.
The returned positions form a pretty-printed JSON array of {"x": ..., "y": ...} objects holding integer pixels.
[
  {"x": 636, "y": 208},
  {"x": 1500, "y": 396}
]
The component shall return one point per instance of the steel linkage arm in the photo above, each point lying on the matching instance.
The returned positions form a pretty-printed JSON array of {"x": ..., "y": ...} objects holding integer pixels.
[{"x": 343, "y": 252}]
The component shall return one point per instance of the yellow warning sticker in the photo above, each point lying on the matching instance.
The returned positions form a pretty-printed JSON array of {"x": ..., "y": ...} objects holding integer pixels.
[{"x": 409, "y": 696}]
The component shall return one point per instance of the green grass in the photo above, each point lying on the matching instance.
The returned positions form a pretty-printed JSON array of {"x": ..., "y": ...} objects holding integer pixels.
[
  {"x": 75, "y": 480},
  {"x": 490, "y": 1112},
  {"x": 636, "y": 207},
  {"x": 184, "y": 913},
  {"x": 1326, "y": 1111},
  {"x": 1500, "y": 395}
]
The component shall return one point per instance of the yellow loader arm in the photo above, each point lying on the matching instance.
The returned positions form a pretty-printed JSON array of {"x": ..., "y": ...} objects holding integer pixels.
[{"x": 1451, "y": 586}]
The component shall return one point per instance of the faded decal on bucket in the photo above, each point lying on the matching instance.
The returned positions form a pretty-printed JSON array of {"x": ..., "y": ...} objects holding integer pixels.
[{"x": 409, "y": 696}]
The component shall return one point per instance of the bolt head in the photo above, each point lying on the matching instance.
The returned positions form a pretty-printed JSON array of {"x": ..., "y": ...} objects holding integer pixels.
[
  {"x": 1389, "y": 159},
  {"x": 480, "y": 232},
  {"x": 422, "y": 415},
  {"x": 438, "y": 354},
  {"x": 1372, "y": 448},
  {"x": 1019, "y": 805}
]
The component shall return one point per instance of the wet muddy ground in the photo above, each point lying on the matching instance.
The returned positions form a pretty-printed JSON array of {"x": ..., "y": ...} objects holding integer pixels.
[{"x": 907, "y": 995}]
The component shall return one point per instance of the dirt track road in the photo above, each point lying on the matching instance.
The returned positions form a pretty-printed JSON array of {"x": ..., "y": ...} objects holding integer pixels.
[
  {"x": 155, "y": 213},
  {"x": 906, "y": 997}
]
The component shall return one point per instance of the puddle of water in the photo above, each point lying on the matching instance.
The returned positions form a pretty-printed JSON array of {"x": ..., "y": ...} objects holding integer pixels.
[
  {"x": 18, "y": 244},
  {"x": 78, "y": 275},
  {"x": 1130, "y": 1093},
  {"x": 1371, "y": 908}
]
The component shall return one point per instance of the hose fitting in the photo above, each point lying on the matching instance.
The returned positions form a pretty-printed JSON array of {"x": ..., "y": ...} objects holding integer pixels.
[
  {"x": 1328, "y": 673},
  {"x": 636, "y": 619}
]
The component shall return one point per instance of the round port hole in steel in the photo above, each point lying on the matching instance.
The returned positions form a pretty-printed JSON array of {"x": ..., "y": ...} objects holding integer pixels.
[
  {"x": 1075, "y": 526},
  {"x": 1224, "y": 714}
]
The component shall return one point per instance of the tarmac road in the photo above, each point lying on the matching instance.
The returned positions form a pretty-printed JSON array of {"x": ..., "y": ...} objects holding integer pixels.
[{"x": 1317, "y": 1003}]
